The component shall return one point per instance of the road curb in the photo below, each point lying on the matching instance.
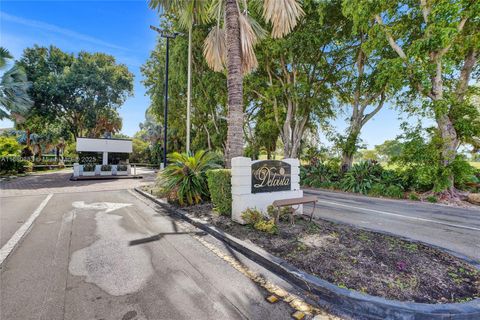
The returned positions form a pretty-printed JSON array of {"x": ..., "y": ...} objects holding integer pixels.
[{"x": 357, "y": 304}]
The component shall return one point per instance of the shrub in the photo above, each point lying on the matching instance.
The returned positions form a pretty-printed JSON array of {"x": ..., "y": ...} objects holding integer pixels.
[
  {"x": 276, "y": 214},
  {"x": 26, "y": 152},
  {"x": 220, "y": 188},
  {"x": 318, "y": 174},
  {"x": 14, "y": 165},
  {"x": 122, "y": 167},
  {"x": 88, "y": 167},
  {"x": 256, "y": 219},
  {"x": 106, "y": 167},
  {"x": 377, "y": 190},
  {"x": 27, "y": 166},
  {"x": 267, "y": 226},
  {"x": 432, "y": 199},
  {"x": 9, "y": 146},
  {"x": 394, "y": 191},
  {"x": 462, "y": 171},
  {"x": 361, "y": 177},
  {"x": 413, "y": 196},
  {"x": 184, "y": 179},
  {"x": 252, "y": 216}
]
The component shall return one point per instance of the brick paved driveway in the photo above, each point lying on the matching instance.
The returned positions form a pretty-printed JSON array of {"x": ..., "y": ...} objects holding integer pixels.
[{"x": 59, "y": 182}]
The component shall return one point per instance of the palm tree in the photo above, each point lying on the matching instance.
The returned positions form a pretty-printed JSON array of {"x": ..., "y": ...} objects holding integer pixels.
[
  {"x": 232, "y": 46},
  {"x": 14, "y": 99},
  {"x": 189, "y": 12}
]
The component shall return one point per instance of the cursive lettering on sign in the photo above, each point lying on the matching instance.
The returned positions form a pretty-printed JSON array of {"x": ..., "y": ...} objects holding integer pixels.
[{"x": 270, "y": 176}]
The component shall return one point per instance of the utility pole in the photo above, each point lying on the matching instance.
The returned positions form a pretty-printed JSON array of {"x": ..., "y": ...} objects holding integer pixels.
[
  {"x": 189, "y": 86},
  {"x": 167, "y": 36}
]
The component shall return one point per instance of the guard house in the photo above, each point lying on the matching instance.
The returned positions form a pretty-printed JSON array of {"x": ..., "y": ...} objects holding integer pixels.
[{"x": 103, "y": 153}]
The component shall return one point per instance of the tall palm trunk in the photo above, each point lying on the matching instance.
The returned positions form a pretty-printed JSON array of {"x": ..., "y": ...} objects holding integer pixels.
[
  {"x": 234, "y": 147},
  {"x": 189, "y": 85}
]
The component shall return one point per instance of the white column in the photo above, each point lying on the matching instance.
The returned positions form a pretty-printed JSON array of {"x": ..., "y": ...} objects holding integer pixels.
[
  {"x": 76, "y": 170},
  {"x": 105, "y": 158},
  {"x": 241, "y": 186}
]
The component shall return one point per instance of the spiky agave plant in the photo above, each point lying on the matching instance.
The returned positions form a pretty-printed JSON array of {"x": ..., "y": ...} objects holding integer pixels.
[{"x": 185, "y": 176}]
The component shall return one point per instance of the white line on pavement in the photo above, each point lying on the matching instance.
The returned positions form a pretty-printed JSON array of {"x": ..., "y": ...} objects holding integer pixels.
[
  {"x": 20, "y": 233},
  {"x": 399, "y": 215}
]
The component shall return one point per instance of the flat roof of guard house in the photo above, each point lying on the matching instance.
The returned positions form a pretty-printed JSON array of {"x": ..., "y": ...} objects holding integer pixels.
[{"x": 104, "y": 145}]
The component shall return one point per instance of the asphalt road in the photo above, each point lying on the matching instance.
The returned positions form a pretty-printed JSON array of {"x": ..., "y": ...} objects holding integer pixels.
[
  {"x": 75, "y": 262},
  {"x": 452, "y": 228}
]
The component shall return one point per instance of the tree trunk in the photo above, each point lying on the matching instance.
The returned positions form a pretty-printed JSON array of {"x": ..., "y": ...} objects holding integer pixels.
[
  {"x": 27, "y": 131},
  {"x": 350, "y": 144},
  {"x": 449, "y": 146},
  {"x": 234, "y": 147}
]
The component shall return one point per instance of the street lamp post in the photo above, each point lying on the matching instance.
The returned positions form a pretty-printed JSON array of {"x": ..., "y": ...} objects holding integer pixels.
[{"x": 167, "y": 36}]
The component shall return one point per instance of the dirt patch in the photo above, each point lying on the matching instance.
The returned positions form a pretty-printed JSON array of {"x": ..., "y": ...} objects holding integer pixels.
[{"x": 365, "y": 261}]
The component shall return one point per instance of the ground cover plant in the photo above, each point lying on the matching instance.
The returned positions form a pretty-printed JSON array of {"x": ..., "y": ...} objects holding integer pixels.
[
  {"x": 371, "y": 178},
  {"x": 353, "y": 258}
]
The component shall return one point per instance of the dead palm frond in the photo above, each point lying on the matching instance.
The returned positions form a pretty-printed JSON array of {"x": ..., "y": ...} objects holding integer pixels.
[
  {"x": 283, "y": 14},
  {"x": 248, "y": 40},
  {"x": 215, "y": 49}
]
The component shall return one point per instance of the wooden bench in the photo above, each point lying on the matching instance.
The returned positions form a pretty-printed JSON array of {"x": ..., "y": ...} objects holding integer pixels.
[{"x": 294, "y": 202}]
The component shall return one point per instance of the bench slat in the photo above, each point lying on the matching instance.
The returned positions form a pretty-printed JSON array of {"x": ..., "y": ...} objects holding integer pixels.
[{"x": 294, "y": 201}]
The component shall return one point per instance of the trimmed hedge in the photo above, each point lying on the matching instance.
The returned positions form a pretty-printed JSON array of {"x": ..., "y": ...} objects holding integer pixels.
[{"x": 220, "y": 187}]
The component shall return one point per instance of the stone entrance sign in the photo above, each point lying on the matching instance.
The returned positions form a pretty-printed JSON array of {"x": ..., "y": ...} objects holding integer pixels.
[
  {"x": 270, "y": 176},
  {"x": 256, "y": 184}
]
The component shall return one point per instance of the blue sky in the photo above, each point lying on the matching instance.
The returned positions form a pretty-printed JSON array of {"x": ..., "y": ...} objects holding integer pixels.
[{"x": 119, "y": 28}]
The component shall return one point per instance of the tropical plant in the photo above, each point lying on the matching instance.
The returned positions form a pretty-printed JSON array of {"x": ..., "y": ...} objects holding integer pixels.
[
  {"x": 377, "y": 190},
  {"x": 232, "y": 46},
  {"x": 14, "y": 99},
  {"x": 106, "y": 167},
  {"x": 394, "y": 191},
  {"x": 122, "y": 167},
  {"x": 184, "y": 178},
  {"x": 318, "y": 174},
  {"x": 361, "y": 177}
]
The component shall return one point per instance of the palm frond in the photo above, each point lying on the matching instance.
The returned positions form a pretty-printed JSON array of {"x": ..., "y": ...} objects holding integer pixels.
[
  {"x": 4, "y": 56},
  {"x": 13, "y": 93},
  {"x": 248, "y": 39},
  {"x": 185, "y": 176},
  {"x": 214, "y": 49},
  {"x": 283, "y": 14}
]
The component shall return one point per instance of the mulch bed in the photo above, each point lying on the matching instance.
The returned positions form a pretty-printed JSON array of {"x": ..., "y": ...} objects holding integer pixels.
[{"x": 365, "y": 261}]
